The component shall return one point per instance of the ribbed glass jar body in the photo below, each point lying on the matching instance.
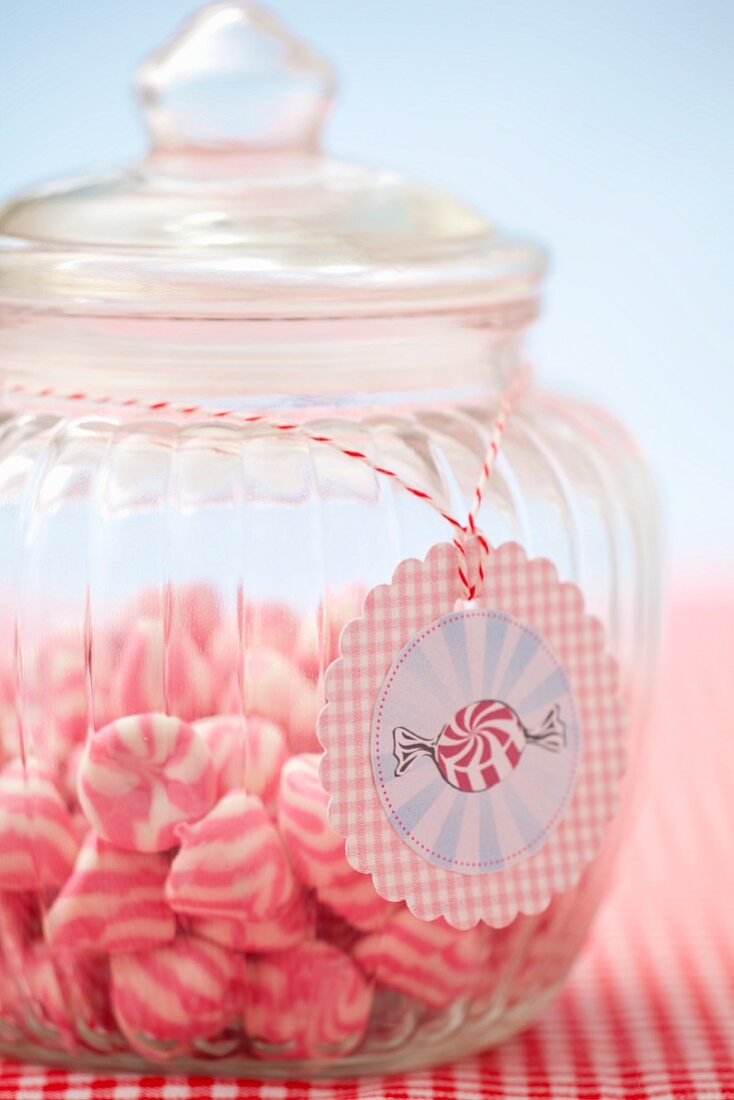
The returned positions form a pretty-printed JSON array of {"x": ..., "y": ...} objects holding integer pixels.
[{"x": 156, "y": 556}]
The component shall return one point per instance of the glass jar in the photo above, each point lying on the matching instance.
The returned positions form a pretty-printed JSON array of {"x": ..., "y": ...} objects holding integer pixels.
[{"x": 193, "y": 352}]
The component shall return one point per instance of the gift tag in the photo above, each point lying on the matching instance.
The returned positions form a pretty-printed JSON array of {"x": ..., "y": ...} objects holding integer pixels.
[{"x": 473, "y": 751}]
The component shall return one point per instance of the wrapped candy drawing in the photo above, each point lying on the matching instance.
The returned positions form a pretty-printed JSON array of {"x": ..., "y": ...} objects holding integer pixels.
[{"x": 480, "y": 746}]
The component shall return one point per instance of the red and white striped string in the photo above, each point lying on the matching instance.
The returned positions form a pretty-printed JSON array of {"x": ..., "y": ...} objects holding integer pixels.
[{"x": 461, "y": 531}]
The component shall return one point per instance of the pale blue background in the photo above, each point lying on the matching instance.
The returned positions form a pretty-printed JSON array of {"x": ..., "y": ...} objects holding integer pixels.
[{"x": 603, "y": 127}]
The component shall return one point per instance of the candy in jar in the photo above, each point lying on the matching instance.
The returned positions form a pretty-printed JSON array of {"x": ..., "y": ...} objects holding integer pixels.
[{"x": 325, "y": 630}]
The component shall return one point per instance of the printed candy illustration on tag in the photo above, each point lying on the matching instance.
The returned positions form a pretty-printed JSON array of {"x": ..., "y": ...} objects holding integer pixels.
[
  {"x": 480, "y": 746},
  {"x": 489, "y": 787},
  {"x": 473, "y": 749}
]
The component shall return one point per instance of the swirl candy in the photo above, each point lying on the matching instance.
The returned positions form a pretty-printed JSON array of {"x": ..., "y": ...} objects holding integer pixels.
[
  {"x": 63, "y": 687},
  {"x": 268, "y": 686},
  {"x": 223, "y": 656},
  {"x": 247, "y": 755},
  {"x": 266, "y": 628},
  {"x": 9, "y": 730},
  {"x": 303, "y": 718},
  {"x": 225, "y": 739},
  {"x": 273, "y": 625},
  {"x": 20, "y": 926},
  {"x": 291, "y": 925},
  {"x": 545, "y": 945},
  {"x": 272, "y": 682},
  {"x": 157, "y": 673},
  {"x": 480, "y": 746},
  {"x": 195, "y": 610},
  {"x": 317, "y": 852},
  {"x": 355, "y": 899},
  {"x": 67, "y": 776},
  {"x": 43, "y": 988},
  {"x": 427, "y": 960},
  {"x": 334, "y": 929},
  {"x": 67, "y": 992},
  {"x": 142, "y": 776},
  {"x": 8, "y": 1006},
  {"x": 113, "y": 901},
  {"x": 38, "y": 842},
  {"x": 231, "y": 863},
  {"x": 136, "y": 679},
  {"x": 172, "y": 994},
  {"x": 276, "y": 689},
  {"x": 309, "y": 1002},
  {"x": 265, "y": 755},
  {"x": 61, "y": 990},
  {"x": 318, "y": 642}
]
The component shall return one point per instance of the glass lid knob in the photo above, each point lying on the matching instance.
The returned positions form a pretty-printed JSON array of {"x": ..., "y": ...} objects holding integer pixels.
[{"x": 235, "y": 80}]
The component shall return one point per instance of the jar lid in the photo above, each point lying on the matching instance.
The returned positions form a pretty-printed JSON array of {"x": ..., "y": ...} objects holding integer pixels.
[{"x": 236, "y": 211}]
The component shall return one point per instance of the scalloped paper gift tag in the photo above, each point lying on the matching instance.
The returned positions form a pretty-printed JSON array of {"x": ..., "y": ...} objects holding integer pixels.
[{"x": 473, "y": 752}]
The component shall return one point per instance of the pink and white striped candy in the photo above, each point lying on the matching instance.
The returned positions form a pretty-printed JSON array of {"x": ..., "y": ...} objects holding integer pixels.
[
  {"x": 271, "y": 625},
  {"x": 271, "y": 684},
  {"x": 195, "y": 612},
  {"x": 87, "y": 985},
  {"x": 225, "y": 738},
  {"x": 173, "y": 994},
  {"x": 68, "y": 991},
  {"x": 334, "y": 929},
  {"x": 507, "y": 948},
  {"x": 9, "y": 1007},
  {"x": 265, "y": 754},
  {"x": 318, "y": 641},
  {"x": 293, "y": 924},
  {"x": 38, "y": 842},
  {"x": 269, "y": 628},
  {"x": 20, "y": 926},
  {"x": 81, "y": 825},
  {"x": 356, "y": 901},
  {"x": 9, "y": 729},
  {"x": 107, "y": 646},
  {"x": 317, "y": 852},
  {"x": 156, "y": 673},
  {"x": 43, "y": 990},
  {"x": 309, "y": 1002},
  {"x": 276, "y": 689},
  {"x": 141, "y": 777},
  {"x": 137, "y": 678},
  {"x": 427, "y": 960},
  {"x": 68, "y": 774},
  {"x": 63, "y": 685},
  {"x": 223, "y": 655},
  {"x": 113, "y": 901},
  {"x": 271, "y": 687},
  {"x": 246, "y": 755},
  {"x": 302, "y": 721},
  {"x": 536, "y": 951},
  {"x": 231, "y": 863}
]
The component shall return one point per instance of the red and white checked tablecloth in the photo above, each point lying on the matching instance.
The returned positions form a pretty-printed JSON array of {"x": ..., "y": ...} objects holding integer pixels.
[{"x": 649, "y": 1011}]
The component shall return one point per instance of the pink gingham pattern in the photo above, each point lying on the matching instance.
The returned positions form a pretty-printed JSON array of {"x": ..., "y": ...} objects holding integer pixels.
[
  {"x": 421, "y": 592},
  {"x": 647, "y": 1014}
]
